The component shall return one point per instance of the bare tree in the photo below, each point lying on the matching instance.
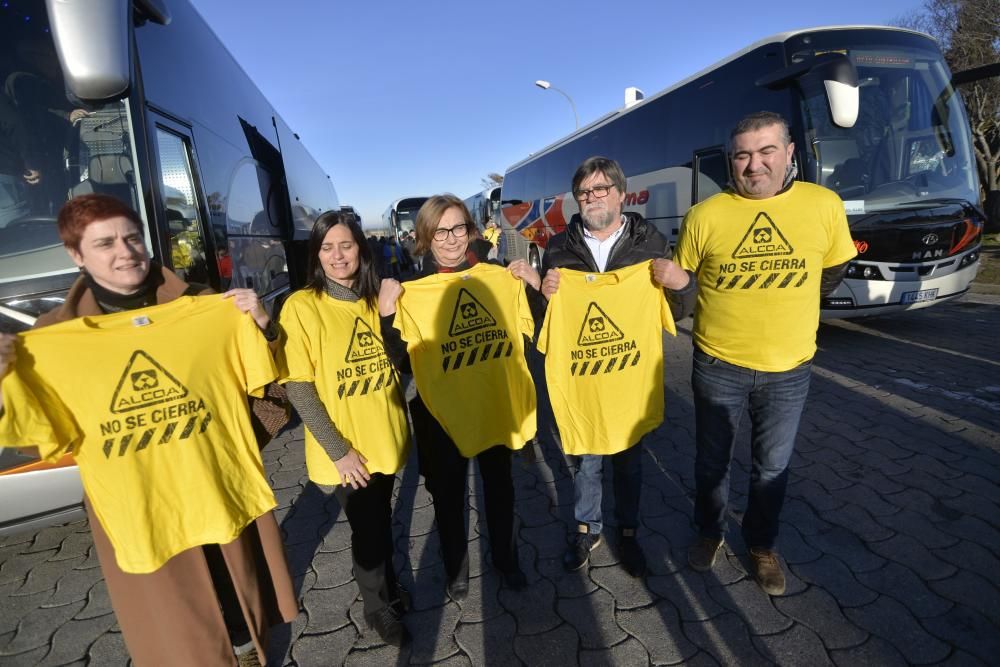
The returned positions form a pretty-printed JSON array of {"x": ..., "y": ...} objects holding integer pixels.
[
  {"x": 969, "y": 34},
  {"x": 492, "y": 179}
]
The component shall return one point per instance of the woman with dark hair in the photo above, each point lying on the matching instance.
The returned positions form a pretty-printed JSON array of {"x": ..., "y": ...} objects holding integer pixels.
[
  {"x": 348, "y": 395},
  {"x": 489, "y": 399},
  {"x": 208, "y": 604}
]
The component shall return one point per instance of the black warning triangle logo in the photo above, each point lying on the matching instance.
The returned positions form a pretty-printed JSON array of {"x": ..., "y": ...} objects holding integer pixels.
[
  {"x": 597, "y": 327},
  {"x": 364, "y": 343},
  {"x": 763, "y": 239},
  {"x": 469, "y": 315},
  {"x": 145, "y": 383}
]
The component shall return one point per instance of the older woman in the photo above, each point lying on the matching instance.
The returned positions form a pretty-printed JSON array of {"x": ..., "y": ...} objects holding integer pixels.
[
  {"x": 210, "y": 604},
  {"x": 444, "y": 228},
  {"x": 347, "y": 393}
]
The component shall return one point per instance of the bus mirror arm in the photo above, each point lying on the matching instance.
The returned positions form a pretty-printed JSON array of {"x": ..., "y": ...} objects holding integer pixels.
[
  {"x": 975, "y": 74},
  {"x": 840, "y": 83}
]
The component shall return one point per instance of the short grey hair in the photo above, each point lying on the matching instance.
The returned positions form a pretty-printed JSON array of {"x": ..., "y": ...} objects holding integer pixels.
[{"x": 758, "y": 121}]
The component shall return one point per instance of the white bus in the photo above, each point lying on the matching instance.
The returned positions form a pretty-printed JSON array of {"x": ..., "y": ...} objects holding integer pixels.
[
  {"x": 401, "y": 215},
  {"x": 874, "y": 117},
  {"x": 139, "y": 100}
]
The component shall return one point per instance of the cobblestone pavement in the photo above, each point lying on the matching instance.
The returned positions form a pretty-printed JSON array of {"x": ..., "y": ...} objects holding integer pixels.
[{"x": 890, "y": 533}]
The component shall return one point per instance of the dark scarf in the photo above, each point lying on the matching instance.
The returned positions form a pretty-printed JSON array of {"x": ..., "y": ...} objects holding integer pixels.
[
  {"x": 113, "y": 302},
  {"x": 337, "y": 291}
]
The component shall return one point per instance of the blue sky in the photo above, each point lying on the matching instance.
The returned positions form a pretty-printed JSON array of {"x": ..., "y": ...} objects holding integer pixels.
[{"x": 416, "y": 98}]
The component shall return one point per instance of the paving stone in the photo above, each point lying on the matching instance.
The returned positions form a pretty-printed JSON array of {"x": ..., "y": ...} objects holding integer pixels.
[
  {"x": 910, "y": 552},
  {"x": 333, "y": 569},
  {"x": 876, "y": 502},
  {"x": 933, "y": 466},
  {"x": 98, "y": 602},
  {"x": 483, "y": 602},
  {"x": 73, "y": 586},
  {"x": 490, "y": 643},
  {"x": 970, "y": 556},
  {"x": 813, "y": 493},
  {"x": 329, "y": 649},
  {"x": 688, "y": 593},
  {"x": 16, "y": 607},
  {"x": 960, "y": 658},
  {"x": 918, "y": 526},
  {"x": 567, "y": 584},
  {"x": 72, "y": 640},
  {"x": 108, "y": 649},
  {"x": 817, "y": 610},
  {"x": 547, "y": 648},
  {"x": 846, "y": 546},
  {"x": 725, "y": 638},
  {"x": 877, "y": 461},
  {"x": 590, "y": 616},
  {"x": 628, "y": 652},
  {"x": 326, "y": 608},
  {"x": 801, "y": 515},
  {"x": 26, "y": 659},
  {"x": 658, "y": 629},
  {"x": 333, "y": 536},
  {"x": 858, "y": 521},
  {"x": 830, "y": 574},
  {"x": 630, "y": 592},
  {"x": 533, "y": 608},
  {"x": 793, "y": 548},
  {"x": 893, "y": 622},
  {"x": 901, "y": 584},
  {"x": 36, "y": 628},
  {"x": 17, "y": 566},
  {"x": 75, "y": 544},
  {"x": 754, "y": 606},
  {"x": 433, "y": 633},
  {"x": 974, "y": 505},
  {"x": 824, "y": 475},
  {"x": 53, "y": 537},
  {"x": 926, "y": 482},
  {"x": 970, "y": 590},
  {"x": 966, "y": 628},
  {"x": 973, "y": 529},
  {"x": 796, "y": 646}
]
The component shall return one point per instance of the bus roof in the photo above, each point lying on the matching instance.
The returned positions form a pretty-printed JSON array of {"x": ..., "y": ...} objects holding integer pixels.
[{"x": 778, "y": 38}]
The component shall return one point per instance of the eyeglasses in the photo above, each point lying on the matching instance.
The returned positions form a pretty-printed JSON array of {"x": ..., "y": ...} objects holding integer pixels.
[
  {"x": 459, "y": 232},
  {"x": 599, "y": 192}
]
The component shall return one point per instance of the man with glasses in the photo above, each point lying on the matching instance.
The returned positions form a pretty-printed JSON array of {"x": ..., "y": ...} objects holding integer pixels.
[
  {"x": 764, "y": 252},
  {"x": 602, "y": 238}
]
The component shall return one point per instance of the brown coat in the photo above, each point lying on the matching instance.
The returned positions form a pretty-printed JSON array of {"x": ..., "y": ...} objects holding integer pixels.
[{"x": 178, "y": 615}]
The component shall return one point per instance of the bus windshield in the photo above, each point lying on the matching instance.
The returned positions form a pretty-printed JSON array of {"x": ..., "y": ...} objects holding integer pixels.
[
  {"x": 909, "y": 146},
  {"x": 52, "y": 147}
]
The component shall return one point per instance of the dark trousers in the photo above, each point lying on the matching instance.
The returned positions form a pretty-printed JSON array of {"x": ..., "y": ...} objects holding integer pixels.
[
  {"x": 369, "y": 511},
  {"x": 723, "y": 392},
  {"x": 445, "y": 473}
]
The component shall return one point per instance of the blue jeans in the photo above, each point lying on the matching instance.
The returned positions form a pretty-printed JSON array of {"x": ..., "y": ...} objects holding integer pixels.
[
  {"x": 587, "y": 487},
  {"x": 722, "y": 394}
]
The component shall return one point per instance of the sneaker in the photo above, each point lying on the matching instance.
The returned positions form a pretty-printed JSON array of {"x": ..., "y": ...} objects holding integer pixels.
[
  {"x": 248, "y": 659},
  {"x": 578, "y": 552},
  {"x": 701, "y": 554},
  {"x": 388, "y": 627},
  {"x": 633, "y": 560},
  {"x": 767, "y": 571}
]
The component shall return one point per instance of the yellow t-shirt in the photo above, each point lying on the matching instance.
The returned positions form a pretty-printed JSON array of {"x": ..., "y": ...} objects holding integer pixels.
[
  {"x": 464, "y": 336},
  {"x": 152, "y": 403},
  {"x": 603, "y": 343},
  {"x": 333, "y": 344},
  {"x": 758, "y": 264}
]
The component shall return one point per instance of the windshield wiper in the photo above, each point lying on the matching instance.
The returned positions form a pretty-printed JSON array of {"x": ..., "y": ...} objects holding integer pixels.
[{"x": 933, "y": 200}]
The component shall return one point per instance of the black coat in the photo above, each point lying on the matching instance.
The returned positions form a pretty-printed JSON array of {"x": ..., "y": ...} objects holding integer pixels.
[{"x": 640, "y": 242}]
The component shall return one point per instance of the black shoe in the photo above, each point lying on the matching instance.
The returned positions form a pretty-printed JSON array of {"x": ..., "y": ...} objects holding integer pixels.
[
  {"x": 702, "y": 554},
  {"x": 578, "y": 552},
  {"x": 458, "y": 588},
  {"x": 633, "y": 560},
  {"x": 388, "y": 627},
  {"x": 515, "y": 580}
]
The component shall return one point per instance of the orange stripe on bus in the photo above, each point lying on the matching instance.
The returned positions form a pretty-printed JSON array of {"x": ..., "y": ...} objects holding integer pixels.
[{"x": 64, "y": 462}]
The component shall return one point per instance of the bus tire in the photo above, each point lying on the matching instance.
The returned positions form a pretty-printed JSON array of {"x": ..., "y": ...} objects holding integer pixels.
[{"x": 534, "y": 259}]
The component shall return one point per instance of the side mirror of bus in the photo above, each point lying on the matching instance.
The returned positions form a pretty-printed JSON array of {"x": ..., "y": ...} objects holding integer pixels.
[
  {"x": 839, "y": 78},
  {"x": 92, "y": 41}
]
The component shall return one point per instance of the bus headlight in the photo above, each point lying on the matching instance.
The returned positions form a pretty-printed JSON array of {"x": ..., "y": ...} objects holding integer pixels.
[
  {"x": 863, "y": 272},
  {"x": 969, "y": 259}
]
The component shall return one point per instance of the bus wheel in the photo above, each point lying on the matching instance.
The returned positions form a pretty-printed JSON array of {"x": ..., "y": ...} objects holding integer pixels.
[{"x": 533, "y": 259}]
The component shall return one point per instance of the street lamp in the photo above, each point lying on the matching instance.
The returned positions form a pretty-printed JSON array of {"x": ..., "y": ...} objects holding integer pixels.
[{"x": 545, "y": 85}]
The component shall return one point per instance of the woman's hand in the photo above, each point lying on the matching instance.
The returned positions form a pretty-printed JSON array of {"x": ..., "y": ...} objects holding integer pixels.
[
  {"x": 551, "y": 283},
  {"x": 520, "y": 269},
  {"x": 248, "y": 302},
  {"x": 351, "y": 467},
  {"x": 388, "y": 295}
]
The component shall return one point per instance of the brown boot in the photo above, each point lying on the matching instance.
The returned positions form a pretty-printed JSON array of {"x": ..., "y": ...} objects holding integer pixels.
[{"x": 767, "y": 571}]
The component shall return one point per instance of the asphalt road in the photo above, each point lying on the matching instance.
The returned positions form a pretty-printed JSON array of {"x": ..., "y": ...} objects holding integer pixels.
[{"x": 890, "y": 533}]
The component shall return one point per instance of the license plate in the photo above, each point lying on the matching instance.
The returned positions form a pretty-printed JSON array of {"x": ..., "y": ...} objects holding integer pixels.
[{"x": 922, "y": 295}]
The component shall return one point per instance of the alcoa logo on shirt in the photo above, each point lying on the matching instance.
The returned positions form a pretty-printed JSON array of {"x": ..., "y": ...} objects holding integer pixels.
[
  {"x": 370, "y": 371},
  {"x": 764, "y": 260},
  {"x": 614, "y": 354},
  {"x": 153, "y": 408},
  {"x": 475, "y": 337}
]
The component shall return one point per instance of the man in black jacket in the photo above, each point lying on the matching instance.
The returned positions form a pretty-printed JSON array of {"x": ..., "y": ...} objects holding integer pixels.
[{"x": 603, "y": 238}]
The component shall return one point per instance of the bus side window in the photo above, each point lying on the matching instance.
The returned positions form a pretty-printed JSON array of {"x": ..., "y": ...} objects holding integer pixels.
[
  {"x": 183, "y": 217},
  {"x": 711, "y": 174}
]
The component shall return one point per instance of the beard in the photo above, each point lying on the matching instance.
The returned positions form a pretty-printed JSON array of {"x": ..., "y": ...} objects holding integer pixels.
[{"x": 598, "y": 219}]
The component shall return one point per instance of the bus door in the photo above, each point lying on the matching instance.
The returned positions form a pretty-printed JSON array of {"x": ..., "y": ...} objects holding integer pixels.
[
  {"x": 711, "y": 173},
  {"x": 184, "y": 242}
]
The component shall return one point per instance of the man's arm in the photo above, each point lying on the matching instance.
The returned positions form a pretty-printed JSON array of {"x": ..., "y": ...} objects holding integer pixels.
[{"x": 831, "y": 278}]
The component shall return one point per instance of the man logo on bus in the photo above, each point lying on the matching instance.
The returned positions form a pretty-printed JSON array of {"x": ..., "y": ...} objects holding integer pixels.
[
  {"x": 596, "y": 324},
  {"x": 144, "y": 380}
]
